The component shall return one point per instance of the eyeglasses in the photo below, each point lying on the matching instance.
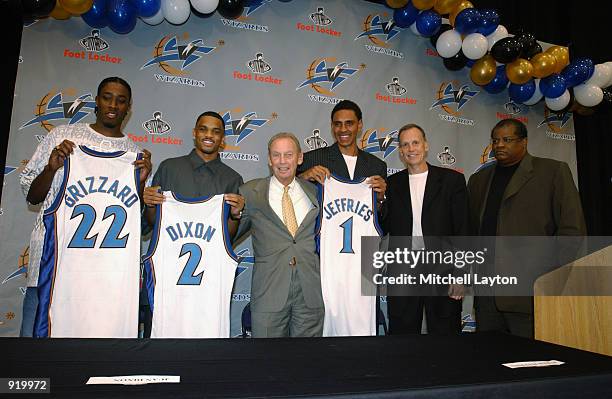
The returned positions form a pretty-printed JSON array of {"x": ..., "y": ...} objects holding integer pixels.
[{"x": 506, "y": 140}]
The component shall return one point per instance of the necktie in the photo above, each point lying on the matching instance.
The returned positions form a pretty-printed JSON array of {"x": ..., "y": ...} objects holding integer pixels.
[{"x": 289, "y": 212}]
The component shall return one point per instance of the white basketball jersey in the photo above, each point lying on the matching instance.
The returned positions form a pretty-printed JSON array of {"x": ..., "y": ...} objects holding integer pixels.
[
  {"x": 90, "y": 265},
  {"x": 348, "y": 212},
  {"x": 190, "y": 268}
]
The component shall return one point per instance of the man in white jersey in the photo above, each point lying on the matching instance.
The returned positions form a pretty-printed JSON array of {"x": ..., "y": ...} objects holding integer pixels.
[
  {"x": 40, "y": 182},
  {"x": 190, "y": 268},
  {"x": 424, "y": 201},
  {"x": 348, "y": 212},
  {"x": 89, "y": 269},
  {"x": 344, "y": 158}
]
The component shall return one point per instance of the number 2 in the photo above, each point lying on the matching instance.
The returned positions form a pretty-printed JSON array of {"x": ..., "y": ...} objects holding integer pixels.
[{"x": 195, "y": 255}]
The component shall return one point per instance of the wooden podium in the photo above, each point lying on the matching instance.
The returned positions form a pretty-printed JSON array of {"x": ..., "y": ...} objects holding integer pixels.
[{"x": 582, "y": 322}]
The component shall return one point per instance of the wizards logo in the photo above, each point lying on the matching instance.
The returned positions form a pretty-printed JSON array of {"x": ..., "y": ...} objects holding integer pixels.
[
  {"x": 448, "y": 95},
  {"x": 321, "y": 73},
  {"x": 555, "y": 122},
  {"x": 168, "y": 50},
  {"x": 22, "y": 267},
  {"x": 374, "y": 26},
  {"x": 486, "y": 158},
  {"x": 52, "y": 106},
  {"x": 242, "y": 127},
  {"x": 385, "y": 146},
  {"x": 244, "y": 260},
  {"x": 9, "y": 169},
  {"x": 255, "y": 5}
]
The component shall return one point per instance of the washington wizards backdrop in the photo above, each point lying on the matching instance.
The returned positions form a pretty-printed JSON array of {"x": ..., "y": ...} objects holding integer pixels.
[{"x": 280, "y": 66}]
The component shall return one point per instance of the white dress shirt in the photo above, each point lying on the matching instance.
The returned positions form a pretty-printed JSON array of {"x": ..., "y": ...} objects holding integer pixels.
[{"x": 301, "y": 202}]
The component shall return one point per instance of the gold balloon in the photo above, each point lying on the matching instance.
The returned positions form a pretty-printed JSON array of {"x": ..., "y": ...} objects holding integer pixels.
[
  {"x": 544, "y": 64},
  {"x": 423, "y": 4},
  {"x": 444, "y": 7},
  {"x": 519, "y": 71},
  {"x": 58, "y": 12},
  {"x": 76, "y": 7},
  {"x": 397, "y": 3},
  {"x": 458, "y": 8},
  {"x": 483, "y": 71},
  {"x": 561, "y": 54}
]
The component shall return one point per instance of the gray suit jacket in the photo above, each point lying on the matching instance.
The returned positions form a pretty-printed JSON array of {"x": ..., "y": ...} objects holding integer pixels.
[{"x": 277, "y": 252}]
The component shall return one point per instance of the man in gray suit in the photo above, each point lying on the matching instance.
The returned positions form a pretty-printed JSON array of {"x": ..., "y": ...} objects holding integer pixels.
[
  {"x": 520, "y": 195},
  {"x": 281, "y": 211}
]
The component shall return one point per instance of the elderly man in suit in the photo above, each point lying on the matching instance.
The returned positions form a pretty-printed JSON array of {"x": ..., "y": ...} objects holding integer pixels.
[
  {"x": 427, "y": 202},
  {"x": 520, "y": 195},
  {"x": 281, "y": 211}
]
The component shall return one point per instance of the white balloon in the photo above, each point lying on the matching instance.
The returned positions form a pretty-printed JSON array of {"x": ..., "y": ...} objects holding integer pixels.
[
  {"x": 497, "y": 34},
  {"x": 448, "y": 44},
  {"x": 413, "y": 29},
  {"x": 155, "y": 19},
  {"x": 205, "y": 6},
  {"x": 474, "y": 46},
  {"x": 176, "y": 11},
  {"x": 601, "y": 76},
  {"x": 537, "y": 94},
  {"x": 588, "y": 95},
  {"x": 557, "y": 104}
]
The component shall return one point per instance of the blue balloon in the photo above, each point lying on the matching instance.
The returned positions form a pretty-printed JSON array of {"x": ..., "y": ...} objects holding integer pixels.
[
  {"x": 489, "y": 22},
  {"x": 578, "y": 71},
  {"x": 428, "y": 23},
  {"x": 468, "y": 21},
  {"x": 521, "y": 93},
  {"x": 553, "y": 86},
  {"x": 404, "y": 17},
  {"x": 146, "y": 8},
  {"x": 121, "y": 16},
  {"x": 499, "y": 82},
  {"x": 470, "y": 63},
  {"x": 96, "y": 16}
]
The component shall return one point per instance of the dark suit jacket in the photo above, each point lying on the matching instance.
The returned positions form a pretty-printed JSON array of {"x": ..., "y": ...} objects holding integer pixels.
[
  {"x": 277, "y": 252},
  {"x": 444, "y": 213},
  {"x": 445, "y": 209},
  {"x": 367, "y": 164},
  {"x": 540, "y": 200}
]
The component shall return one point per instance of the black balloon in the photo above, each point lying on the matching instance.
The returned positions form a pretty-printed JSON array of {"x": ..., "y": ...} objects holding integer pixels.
[
  {"x": 529, "y": 45},
  {"x": 455, "y": 63},
  {"x": 506, "y": 50},
  {"x": 230, "y": 9},
  {"x": 607, "y": 95},
  {"x": 526, "y": 39},
  {"x": 531, "y": 51},
  {"x": 37, "y": 8},
  {"x": 434, "y": 38}
]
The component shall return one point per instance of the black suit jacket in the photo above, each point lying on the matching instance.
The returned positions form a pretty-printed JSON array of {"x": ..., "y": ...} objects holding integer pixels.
[
  {"x": 331, "y": 157},
  {"x": 445, "y": 213},
  {"x": 445, "y": 204}
]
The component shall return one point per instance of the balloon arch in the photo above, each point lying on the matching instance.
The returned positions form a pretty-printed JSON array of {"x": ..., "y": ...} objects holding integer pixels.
[{"x": 472, "y": 38}]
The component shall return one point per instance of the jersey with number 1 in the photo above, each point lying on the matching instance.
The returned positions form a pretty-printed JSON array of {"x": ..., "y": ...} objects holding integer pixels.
[
  {"x": 190, "y": 268},
  {"x": 348, "y": 212},
  {"x": 90, "y": 265}
]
